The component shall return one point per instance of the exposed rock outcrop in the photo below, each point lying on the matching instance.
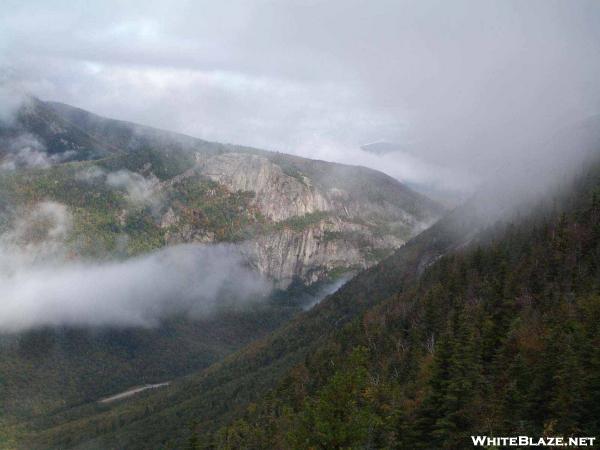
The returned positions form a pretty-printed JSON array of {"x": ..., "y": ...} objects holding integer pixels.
[
  {"x": 279, "y": 196},
  {"x": 314, "y": 252},
  {"x": 351, "y": 233}
]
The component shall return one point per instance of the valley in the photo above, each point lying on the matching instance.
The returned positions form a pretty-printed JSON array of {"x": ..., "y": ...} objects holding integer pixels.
[
  {"x": 113, "y": 194},
  {"x": 299, "y": 225},
  {"x": 421, "y": 345}
]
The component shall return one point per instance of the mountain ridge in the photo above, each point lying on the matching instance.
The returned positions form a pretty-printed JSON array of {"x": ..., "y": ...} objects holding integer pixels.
[
  {"x": 280, "y": 187},
  {"x": 122, "y": 192},
  {"x": 395, "y": 358}
]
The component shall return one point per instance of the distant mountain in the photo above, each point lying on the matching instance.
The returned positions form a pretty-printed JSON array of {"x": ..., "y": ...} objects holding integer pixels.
[
  {"x": 382, "y": 148},
  {"x": 301, "y": 219},
  {"x": 486, "y": 321},
  {"x": 433, "y": 188},
  {"x": 131, "y": 189}
]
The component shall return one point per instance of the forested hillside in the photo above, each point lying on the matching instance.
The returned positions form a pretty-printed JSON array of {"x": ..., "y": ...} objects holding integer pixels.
[
  {"x": 490, "y": 330},
  {"x": 299, "y": 225},
  {"x": 500, "y": 338},
  {"x": 79, "y": 191},
  {"x": 132, "y": 189}
]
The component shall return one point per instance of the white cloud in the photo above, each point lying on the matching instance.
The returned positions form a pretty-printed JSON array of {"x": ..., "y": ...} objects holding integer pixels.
[
  {"x": 36, "y": 237},
  {"x": 139, "y": 189},
  {"x": 25, "y": 151},
  {"x": 470, "y": 84},
  {"x": 90, "y": 174},
  {"x": 41, "y": 286}
]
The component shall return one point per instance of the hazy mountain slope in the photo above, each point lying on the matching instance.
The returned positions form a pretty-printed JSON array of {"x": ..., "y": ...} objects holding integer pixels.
[
  {"x": 125, "y": 190},
  {"x": 359, "y": 182},
  {"x": 223, "y": 391},
  {"x": 323, "y": 217},
  {"x": 392, "y": 348},
  {"x": 352, "y": 216},
  {"x": 498, "y": 338},
  {"x": 55, "y": 133},
  {"x": 128, "y": 136}
]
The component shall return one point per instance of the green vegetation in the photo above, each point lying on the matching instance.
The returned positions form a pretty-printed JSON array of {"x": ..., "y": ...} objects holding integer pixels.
[
  {"x": 51, "y": 379},
  {"x": 163, "y": 164},
  {"x": 299, "y": 223},
  {"x": 499, "y": 337},
  {"x": 102, "y": 213},
  {"x": 47, "y": 372}
]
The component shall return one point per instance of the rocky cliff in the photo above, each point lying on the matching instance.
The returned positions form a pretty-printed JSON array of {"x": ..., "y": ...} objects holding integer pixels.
[
  {"x": 340, "y": 238},
  {"x": 278, "y": 196}
]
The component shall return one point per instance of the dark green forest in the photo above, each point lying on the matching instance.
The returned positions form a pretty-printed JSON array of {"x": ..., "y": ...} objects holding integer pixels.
[
  {"x": 470, "y": 328},
  {"x": 501, "y": 338},
  {"x": 484, "y": 324},
  {"x": 51, "y": 378}
]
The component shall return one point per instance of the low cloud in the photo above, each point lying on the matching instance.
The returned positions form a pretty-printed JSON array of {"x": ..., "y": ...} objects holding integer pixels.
[
  {"x": 139, "y": 189},
  {"x": 41, "y": 286},
  {"x": 37, "y": 236},
  {"x": 27, "y": 152},
  {"x": 90, "y": 174}
]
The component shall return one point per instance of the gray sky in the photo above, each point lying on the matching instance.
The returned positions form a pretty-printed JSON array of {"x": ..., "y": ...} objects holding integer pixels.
[{"x": 466, "y": 86}]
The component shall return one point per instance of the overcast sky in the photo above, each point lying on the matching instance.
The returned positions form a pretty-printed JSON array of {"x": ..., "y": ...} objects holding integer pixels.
[{"x": 464, "y": 86}]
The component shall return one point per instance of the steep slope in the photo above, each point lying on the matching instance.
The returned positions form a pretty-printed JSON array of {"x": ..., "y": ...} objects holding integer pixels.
[
  {"x": 474, "y": 326},
  {"x": 126, "y": 190},
  {"x": 362, "y": 214},
  {"x": 499, "y": 338},
  {"x": 224, "y": 390},
  {"x": 39, "y": 127}
]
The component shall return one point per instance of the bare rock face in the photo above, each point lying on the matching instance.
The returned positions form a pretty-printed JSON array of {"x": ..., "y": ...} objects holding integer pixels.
[
  {"x": 279, "y": 196},
  {"x": 305, "y": 230},
  {"x": 288, "y": 254},
  {"x": 314, "y": 252},
  {"x": 347, "y": 237}
]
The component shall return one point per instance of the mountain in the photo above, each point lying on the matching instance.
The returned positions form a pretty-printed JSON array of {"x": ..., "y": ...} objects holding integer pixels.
[
  {"x": 486, "y": 323},
  {"x": 118, "y": 191},
  {"x": 300, "y": 219},
  {"x": 380, "y": 148},
  {"x": 499, "y": 337}
]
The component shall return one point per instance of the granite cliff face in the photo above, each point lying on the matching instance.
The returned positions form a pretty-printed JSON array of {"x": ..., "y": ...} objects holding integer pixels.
[
  {"x": 278, "y": 196},
  {"x": 330, "y": 246},
  {"x": 317, "y": 231}
]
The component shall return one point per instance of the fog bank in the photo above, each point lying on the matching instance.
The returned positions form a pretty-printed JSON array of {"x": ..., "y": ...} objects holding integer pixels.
[
  {"x": 467, "y": 88},
  {"x": 40, "y": 284}
]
